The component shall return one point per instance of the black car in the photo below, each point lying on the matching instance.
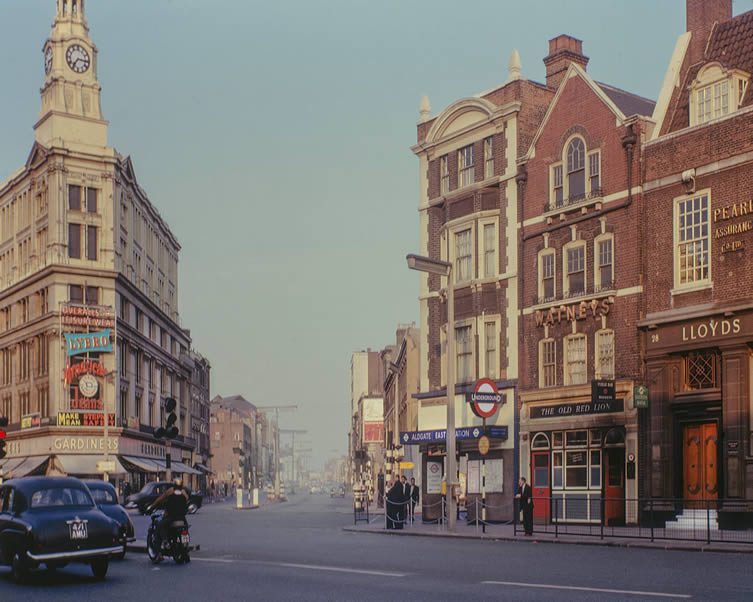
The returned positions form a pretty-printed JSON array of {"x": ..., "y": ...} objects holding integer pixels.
[
  {"x": 106, "y": 498},
  {"x": 151, "y": 491},
  {"x": 54, "y": 521}
]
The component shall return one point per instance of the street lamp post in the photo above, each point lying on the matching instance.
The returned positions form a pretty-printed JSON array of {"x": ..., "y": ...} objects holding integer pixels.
[{"x": 444, "y": 268}]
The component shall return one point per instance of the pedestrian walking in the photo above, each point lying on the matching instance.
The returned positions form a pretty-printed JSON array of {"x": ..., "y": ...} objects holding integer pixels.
[
  {"x": 394, "y": 503},
  {"x": 405, "y": 491},
  {"x": 525, "y": 495}
]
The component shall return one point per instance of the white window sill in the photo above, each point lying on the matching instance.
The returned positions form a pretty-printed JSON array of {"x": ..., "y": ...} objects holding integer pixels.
[{"x": 691, "y": 288}]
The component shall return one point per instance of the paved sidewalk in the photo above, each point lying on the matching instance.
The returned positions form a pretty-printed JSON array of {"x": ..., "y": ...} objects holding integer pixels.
[{"x": 506, "y": 533}]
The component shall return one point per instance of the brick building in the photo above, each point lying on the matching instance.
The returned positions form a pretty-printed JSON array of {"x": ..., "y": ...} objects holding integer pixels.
[
  {"x": 698, "y": 329},
  {"x": 468, "y": 210},
  {"x": 580, "y": 290}
]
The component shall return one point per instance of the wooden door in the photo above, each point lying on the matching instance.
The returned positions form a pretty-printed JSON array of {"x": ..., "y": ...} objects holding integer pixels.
[
  {"x": 614, "y": 486},
  {"x": 542, "y": 490},
  {"x": 700, "y": 471}
]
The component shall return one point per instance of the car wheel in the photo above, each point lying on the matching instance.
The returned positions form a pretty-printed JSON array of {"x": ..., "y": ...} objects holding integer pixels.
[
  {"x": 20, "y": 568},
  {"x": 99, "y": 567},
  {"x": 192, "y": 508}
]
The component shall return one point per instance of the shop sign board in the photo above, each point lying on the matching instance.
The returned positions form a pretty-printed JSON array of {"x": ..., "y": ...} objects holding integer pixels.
[
  {"x": 434, "y": 476},
  {"x": 77, "y": 343},
  {"x": 106, "y": 466},
  {"x": 84, "y": 419},
  {"x": 565, "y": 410},
  {"x": 640, "y": 396},
  {"x": 483, "y": 445},
  {"x": 464, "y": 433},
  {"x": 31, "y": 421},
  {"x": 602, "y": 390}
]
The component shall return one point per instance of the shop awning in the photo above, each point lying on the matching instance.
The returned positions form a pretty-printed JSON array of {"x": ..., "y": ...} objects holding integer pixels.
[
  {"x": 83, "y": 464},
  {"x": 203, "y": 468},
  {"x": 20, "y": 467},
  {"x": 181, "y": 468},
  {"x": 142, "y": 464}
]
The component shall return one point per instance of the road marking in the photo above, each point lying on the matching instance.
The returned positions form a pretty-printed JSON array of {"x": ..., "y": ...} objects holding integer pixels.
[
  {"x": 315, "y": 567},
  {"x": 311, "y": 567},
  {"x": 589, "y": 589}
]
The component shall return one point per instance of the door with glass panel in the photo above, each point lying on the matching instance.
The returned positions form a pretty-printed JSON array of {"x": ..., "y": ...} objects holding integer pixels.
[{"x": 542, "y": 490}]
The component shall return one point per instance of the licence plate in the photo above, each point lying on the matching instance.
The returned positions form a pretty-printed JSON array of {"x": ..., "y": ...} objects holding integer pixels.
[
  {"x": 78, "y": 530},
  {"x": 185, "y": 539}
]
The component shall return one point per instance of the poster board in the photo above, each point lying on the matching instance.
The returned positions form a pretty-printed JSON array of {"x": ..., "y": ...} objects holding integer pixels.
[{"x": 434, "y": 470}]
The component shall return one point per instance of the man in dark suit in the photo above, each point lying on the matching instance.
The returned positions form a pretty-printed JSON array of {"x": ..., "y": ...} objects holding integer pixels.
[
  {"x": 525, "y": 495},
  {"x": 394, "y": 504},
  {"x": 414, "y": 497}
]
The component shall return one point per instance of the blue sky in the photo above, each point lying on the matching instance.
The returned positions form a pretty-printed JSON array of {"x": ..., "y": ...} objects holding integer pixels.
[{"x": 274, "y": 138}]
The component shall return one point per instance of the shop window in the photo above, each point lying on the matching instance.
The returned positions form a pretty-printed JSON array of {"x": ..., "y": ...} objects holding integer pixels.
[
  {"x": 595, "y": 470},
  {"x": 700, "y": 370},
  {"x": 576, "y": 438},
  {"x": 576, "y": 469},
  {"x": 557, "y": 439},
  {"x": 540, "y": 441},
  {"x": 594, "y": 437},
  {"x": 557, "y": 470}
]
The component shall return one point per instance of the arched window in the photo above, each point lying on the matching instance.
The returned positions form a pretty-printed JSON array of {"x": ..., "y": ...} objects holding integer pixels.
[
  {"x": 576, "y": 169},
  {"x": 540, "y": 441}
]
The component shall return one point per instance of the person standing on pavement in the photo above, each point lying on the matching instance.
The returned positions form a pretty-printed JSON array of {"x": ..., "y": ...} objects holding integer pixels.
[
  {"x": 525, "y": 496},
  {"x": 404, "y": 510},
  {"x": 393, "y": 501},
  {"x": 414, "y": 498}
]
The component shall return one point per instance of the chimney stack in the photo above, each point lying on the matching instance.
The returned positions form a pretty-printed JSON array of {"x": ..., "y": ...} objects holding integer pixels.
[
  {"x": 563, "y": 50},
  {"x": 700, "y": 16}
]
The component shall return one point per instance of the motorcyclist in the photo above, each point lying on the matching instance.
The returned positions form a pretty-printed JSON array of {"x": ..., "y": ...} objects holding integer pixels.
[{"x": 175, "y": 502}]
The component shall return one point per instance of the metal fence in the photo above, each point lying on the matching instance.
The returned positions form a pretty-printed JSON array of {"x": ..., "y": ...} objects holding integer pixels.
[{"x": 710, "y": 521}]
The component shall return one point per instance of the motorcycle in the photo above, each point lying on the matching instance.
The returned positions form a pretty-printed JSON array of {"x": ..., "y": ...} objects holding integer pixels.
[{"x": 175, "y": 544}]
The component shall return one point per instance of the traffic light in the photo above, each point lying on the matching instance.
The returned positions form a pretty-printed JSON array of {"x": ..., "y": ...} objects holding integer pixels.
[
  {"x": 3, "y": 424},
  {"x": 170, "y": 430}
]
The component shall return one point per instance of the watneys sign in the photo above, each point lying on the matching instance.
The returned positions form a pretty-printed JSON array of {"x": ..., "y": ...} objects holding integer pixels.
[{"x": 595, "y": 308}]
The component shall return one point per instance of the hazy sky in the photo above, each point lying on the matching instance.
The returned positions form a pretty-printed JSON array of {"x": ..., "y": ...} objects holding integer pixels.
[{"x": 274, "y": 138}]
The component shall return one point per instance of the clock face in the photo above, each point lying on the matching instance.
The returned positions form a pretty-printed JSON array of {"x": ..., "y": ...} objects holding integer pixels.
[
  {"x": 48, "y": 61},
  {"x": 77, "y": 58}
]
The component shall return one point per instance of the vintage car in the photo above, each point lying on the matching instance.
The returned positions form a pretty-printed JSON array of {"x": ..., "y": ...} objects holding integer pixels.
[
  {"x": 106, "y": 498},
  {"x": 54, "y": 521},
  {"x": 151, "y": 491}
]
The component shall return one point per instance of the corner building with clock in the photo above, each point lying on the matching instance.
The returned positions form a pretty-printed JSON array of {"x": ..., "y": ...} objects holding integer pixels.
[{"x": 89, "y": 294}]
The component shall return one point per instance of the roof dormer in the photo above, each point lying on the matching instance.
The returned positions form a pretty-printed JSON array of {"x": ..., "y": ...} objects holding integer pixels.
[{"x": 716, "y": 92}]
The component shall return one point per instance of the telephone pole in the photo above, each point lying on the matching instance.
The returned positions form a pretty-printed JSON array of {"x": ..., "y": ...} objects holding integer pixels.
[
  {"x": 293, "y": 432},
  {"x": 277, "y": 410}
]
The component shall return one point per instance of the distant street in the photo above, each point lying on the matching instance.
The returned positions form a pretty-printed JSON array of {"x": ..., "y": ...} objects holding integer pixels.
[{"x": 298, "y": 551}]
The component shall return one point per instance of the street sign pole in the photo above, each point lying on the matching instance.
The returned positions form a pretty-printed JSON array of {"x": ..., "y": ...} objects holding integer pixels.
[{"x": 168, "y": 460}]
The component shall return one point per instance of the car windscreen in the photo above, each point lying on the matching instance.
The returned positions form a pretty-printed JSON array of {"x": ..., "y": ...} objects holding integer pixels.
[
  {"x": 103, "y": 496},
  {"x": 56, "y": 497}
]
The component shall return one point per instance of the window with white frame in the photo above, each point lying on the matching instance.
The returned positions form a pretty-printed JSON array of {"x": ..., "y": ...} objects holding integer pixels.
[
  {"x": 575, "y": 360},
  {"x": 594, "y": 172},
  {"x": 465, "y": 166},
  {"x": 488, "y": 157},
  {"x": 463, "y": 256},
  {"x": 464, "y": 350},
  {"x": 605, "y": 354},
  {"x": 444, "y": 175},
  {"x": 693, "y": 239},
  {"x": 576, "y": 169},
  {"x": 604, "y": 253},
  {"x": 490, "y": 249},
  {"x": 558, "y": 191},
  {"x": 577, "y": 176},
  {"x": 547, "y": 363},
  {"x": 490, "y": 348},
  {"x": 716, "y": 92},
  {"x": 575, "y": 275},
  {"x": 547, "y": 274}
]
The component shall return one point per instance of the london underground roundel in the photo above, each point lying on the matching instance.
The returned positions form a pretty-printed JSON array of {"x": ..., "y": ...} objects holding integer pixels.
[{"x": 485, "y": 398}]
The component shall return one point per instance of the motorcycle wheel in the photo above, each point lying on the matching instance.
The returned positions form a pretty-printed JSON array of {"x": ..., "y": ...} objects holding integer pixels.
[
  {"x": 192, "y": 508},
  {"x": 151, "y": 552}
]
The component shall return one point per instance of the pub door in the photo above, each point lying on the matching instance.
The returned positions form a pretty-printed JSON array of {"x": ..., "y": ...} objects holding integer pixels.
[
  {"x": 541, "y": 487},
  {"x": 614, "y": 486},
  {"x": 700, "y": 474}
]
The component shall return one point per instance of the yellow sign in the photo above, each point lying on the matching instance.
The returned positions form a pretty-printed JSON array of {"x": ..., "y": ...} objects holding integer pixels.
[
  {"x": 407, "y": 465},
  {"x": 483, "y": 445}
]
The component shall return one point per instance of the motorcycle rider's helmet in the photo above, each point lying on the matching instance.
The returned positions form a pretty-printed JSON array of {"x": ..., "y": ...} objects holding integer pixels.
[{"x": 178, "y": 482}]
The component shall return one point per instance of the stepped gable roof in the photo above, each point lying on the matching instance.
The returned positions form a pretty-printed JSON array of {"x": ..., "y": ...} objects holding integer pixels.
[{"x": 627, "y": 102}]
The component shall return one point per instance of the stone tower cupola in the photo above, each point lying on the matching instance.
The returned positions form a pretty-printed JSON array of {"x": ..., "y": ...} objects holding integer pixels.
[{"x": 71, "y": 113}]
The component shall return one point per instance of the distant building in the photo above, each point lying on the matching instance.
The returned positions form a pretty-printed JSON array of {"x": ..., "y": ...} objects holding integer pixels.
[{"x": 234, "y": 442}]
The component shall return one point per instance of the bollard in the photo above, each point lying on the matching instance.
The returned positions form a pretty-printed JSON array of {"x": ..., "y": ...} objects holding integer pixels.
[
  {"x": 255, "y": 500},
  {"x": 239, "y": 498}
]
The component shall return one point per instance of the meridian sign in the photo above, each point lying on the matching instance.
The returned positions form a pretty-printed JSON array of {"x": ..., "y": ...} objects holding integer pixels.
[{"x": 485, "y": 398}]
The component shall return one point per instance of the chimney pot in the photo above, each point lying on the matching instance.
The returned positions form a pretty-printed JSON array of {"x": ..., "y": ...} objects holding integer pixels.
[
  {"x": 700, "y": 17},
  {"x": 563, "y": 50}
]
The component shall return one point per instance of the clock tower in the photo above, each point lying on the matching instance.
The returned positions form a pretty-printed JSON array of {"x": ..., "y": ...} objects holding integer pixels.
[{"x": 71, "y": 113}]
